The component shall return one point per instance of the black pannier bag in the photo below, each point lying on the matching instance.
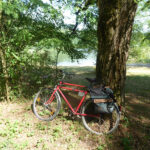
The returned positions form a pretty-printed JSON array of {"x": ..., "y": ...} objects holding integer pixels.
[
  {"x": 106, "y": 107},
  {"x": 101, "y": 93}
]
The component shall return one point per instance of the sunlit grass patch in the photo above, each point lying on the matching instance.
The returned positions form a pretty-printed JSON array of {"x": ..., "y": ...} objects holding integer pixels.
[
  {"x": 144, "y": 71},
  {"x": 138, "y": 81}
]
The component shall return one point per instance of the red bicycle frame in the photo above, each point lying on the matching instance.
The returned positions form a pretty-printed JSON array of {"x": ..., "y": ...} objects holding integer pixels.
[{"x": 59, "y": 87}]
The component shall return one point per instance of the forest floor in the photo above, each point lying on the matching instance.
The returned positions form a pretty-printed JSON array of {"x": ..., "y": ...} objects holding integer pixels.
[{"x": 20, "y": 129}]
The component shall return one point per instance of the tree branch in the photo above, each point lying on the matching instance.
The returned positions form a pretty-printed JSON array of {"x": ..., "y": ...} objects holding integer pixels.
[{"x": 84, "y": 8}]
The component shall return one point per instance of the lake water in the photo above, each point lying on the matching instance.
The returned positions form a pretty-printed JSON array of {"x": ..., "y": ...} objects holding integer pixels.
[{"x": 90, "y": 60}]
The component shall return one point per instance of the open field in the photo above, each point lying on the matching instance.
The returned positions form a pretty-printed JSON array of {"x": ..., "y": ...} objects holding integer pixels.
[{"x": 20, "y": 129}]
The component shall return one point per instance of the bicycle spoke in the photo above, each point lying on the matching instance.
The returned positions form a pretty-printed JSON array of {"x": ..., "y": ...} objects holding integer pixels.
[
  {"x": 106, "y": 122},
  {"x": 46, "y": 111}
]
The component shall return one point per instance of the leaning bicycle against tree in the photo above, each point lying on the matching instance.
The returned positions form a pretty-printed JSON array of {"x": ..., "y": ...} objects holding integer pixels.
[{"x": 100, "y": 113}]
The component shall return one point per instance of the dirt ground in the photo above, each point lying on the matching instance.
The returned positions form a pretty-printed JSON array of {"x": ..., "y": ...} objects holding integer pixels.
[{"x": 20, "y": 129}]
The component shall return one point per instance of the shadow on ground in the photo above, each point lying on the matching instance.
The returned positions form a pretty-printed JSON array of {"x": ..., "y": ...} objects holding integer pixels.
[
  {"x": 134, "y": 130},
  {"x": 139, "y": 85}
]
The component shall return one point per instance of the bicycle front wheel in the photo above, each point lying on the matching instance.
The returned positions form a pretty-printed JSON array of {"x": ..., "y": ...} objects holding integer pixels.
[
  {"x": 102, "y": 123},
  {"x": 46, "y": 111}
]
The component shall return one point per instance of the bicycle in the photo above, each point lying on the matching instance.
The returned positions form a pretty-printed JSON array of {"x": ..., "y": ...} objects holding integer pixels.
[{"x": 99, "y": 116}]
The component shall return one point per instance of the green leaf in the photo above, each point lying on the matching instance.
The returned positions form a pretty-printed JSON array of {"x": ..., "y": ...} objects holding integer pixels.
[{"x": 15, "y": 56}]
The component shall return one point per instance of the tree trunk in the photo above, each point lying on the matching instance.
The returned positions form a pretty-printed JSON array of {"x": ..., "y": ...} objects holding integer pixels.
[
  {"x": 2, "y": 58},
  {"x": 4, "y": 67},
  {"x": 114, "y": 32},
  {"x": 56, "y": 65}
]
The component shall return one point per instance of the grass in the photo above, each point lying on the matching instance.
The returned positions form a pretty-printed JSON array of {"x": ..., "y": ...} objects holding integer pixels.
[
  {"x": 138, "y": 81},
  {"x": 20, "y": 129}
]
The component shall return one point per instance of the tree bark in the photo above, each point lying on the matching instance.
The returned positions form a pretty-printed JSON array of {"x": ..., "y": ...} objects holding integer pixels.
[
  {"x": 116, "y": 19},
  {"x": 56, "y": 65},
  {"x": 4, "y": 68}
]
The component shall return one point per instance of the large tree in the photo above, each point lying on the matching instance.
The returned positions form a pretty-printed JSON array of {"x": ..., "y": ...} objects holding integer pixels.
[
  {"x": 115, "y": 23},
  {"x": 114, "y": 30}
]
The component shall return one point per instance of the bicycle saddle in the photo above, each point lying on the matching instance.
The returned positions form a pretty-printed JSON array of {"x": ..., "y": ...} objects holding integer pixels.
[
  {"x": 95, "y": 83},
  {"x": 91, "y": 80}
]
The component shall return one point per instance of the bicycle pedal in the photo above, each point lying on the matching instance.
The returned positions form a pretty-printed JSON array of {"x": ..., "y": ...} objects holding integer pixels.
[{"x": 70, "y": 114}]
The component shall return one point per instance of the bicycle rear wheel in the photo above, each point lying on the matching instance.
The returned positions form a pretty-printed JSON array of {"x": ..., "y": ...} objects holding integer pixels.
[
  {"x": 103, "y": 123},
  {"x": 49, "y": 111}
]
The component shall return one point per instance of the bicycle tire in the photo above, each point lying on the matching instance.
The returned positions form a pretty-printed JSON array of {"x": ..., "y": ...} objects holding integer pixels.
[
  {"x": 46, "y": 112},
  {"x": 102, "y": 124}
]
